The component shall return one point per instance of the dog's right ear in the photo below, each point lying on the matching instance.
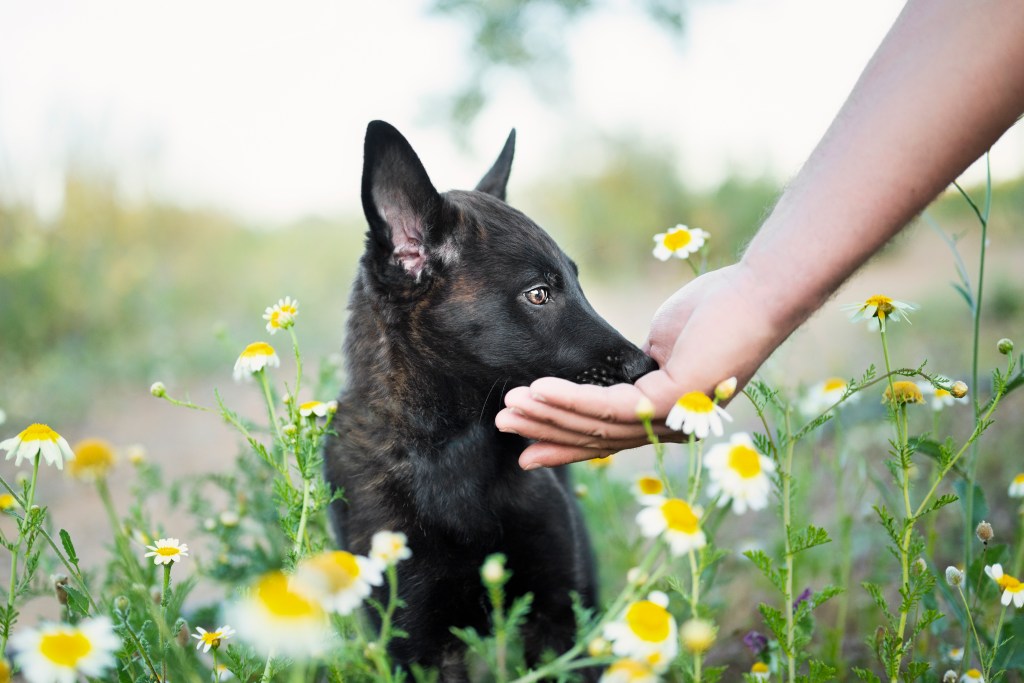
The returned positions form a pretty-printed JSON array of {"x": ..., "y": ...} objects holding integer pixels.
[
  {"x": 496, "y": 179},
  {"x": 399, "y": 200}
]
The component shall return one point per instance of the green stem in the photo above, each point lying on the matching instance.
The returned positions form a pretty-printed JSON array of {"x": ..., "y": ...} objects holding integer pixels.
[
  {"x": 787, "y": 521},
  {"x": 23, "y": 525},
  {"x": 297, "y": 547},
  {"x": 970, "y": 620},
  {"x": 659, "y": 455},
  {"x": 271, "y": 411},
  {"x": 694, "y": 607},
  {"x": 298, "y": 363},
  {"x": 265, "y": 678}
]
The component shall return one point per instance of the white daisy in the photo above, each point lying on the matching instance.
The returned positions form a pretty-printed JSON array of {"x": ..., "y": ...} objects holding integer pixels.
[
  {"x": 676, "y": 521},
  {"x": 281, "y": 315},
  {"x": 254, "y": 358},
  {"x": 646, "y": 632},
  {"x": 167, "y": 550},
  {"x": 881, "y": 308},
  {"x": 695, "y": 413},
  {"x": 760, "y": 671},
  {"x": 317, "y": 408},
  {"x": 276, "y": 618},
  {"x": 739, "y": 473},
  {"x": 337, "y": 580},
  {"x": 823, "y": 395},
  {"x": 648, "y": 489},
  {"x": 679, "y": 241},
  {"x": 1013, "y": 590},
  {"x": 629, "y": 671},
  {"x": 389, "y": 547},
  {"x": 972, "y": 676},
  {"x": 61, "y": 653},
  {"x": 36, "y": 439},
  {"x": 208, "y": 639},
  {"x": 1017, "y": 486}
]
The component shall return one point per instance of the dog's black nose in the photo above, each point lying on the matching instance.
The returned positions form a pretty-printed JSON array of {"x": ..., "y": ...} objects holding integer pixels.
[{"x": 637, "y": 365}]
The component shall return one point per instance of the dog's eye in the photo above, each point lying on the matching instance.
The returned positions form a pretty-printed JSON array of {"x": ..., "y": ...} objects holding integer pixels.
[{"x": 538, "y": 296}]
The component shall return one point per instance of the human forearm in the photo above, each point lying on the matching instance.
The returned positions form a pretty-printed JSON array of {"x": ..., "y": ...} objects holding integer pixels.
[{"x": 946, "y": 82}]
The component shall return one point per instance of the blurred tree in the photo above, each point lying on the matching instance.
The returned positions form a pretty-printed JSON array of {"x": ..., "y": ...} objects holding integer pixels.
[{"x": 527, "y": 36}]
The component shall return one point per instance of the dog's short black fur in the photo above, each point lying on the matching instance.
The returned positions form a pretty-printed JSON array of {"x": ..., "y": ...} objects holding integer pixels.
[{"x": 458, "y": 298}]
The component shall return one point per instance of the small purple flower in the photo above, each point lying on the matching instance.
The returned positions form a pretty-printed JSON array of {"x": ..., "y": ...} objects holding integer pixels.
[
  {"x": 755, "y": 642},
  {"x": 803, "y": 597}
]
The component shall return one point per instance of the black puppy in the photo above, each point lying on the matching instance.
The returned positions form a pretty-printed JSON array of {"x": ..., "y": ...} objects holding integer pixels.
[{"x": 458, "y": 298}]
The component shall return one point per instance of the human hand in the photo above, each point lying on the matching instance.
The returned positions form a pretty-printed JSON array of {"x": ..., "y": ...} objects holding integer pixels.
[{"x": 715, "y": 327}]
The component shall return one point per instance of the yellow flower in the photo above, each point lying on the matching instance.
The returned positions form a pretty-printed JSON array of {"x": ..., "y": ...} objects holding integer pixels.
[
  {"x": 1017, "y": 486},
  {"x": 679, "y": 241},
  {"x": 956, "y": 654},
  {"x": 276, "y": 618},
  {"x": 61, "y": 652},
  {"x": 648, "y": 489},
  {"x": 823, "y": 395},
  {"x": 337, "y": 580},
  {"x": 676, "y": 521},
  {"x": 881, "y": 308},
  {"x": 1013, "y": 590},
  {"x": 905, "y": 392},
  {"x": 94, "y": 458},
  {"x": 7, "y": 501},
  {"x": 254, "y": 358},
  {"x": 695, "y": 413},
  {"x": 972, "y": 676},
  {"x": 167, "y": 550},
  {"x": 646, "y": 632},
  {"x": 208, "y": 639},
  {"x": 740, "y": 474},
  {"x": 600, "y": 463},
  {"x": 281, "y": 315},
  {"x": 36, "y": 439},
  {"x": 760, "y": 671}
]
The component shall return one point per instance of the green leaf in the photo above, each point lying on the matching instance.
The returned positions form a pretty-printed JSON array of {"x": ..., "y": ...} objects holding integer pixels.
[
  {"x": 865, "y": 675},
  {"x": 764, "y": 563},
  {"x": 69, "y": 547},
  {"x": 77, "y": 602},
  {"x": 810, "y": 537}
]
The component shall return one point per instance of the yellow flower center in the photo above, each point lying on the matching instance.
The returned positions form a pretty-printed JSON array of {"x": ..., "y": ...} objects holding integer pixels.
[
  {"x": 629, "y": 668},
  {"x": 679, "y": 516},
  {"x": 212, "y": 638},
  {"x": 65, "y": 648},
  {"x": 974, "y": 673},
  {"x": 906, "y": 392},
  {"x": 1019, "y": 479},
  {"x": 759, "y": 668},
  {"x": 275, "y": 595},
  {"x": 834, "y": 384},
  {"x": 600, "y": 463},
  {"x": 39, "y": 432},
  {"x": 942, "y": 393},
  {"x": 275, "y": 318},
  {"x": 649, "y": 621},
  {"x": 650, "y": 486},
  {"x": 7, "y": 501},
  {"x": 745, "y": 461},
  {"x": 338, "y": 567},
  {"x": 93, "y": 457},
  {"x": 309, "y": 405},
  {"x": 883, "y": 305},
  {"x": 1010, "y": 583},
  {"x": 696, "y": 402},
  {"x": 290, "y": 309},
  {"x": 678, "y": 239},
  {"x": 168, "y": 551},
  {"x": 258, "y": 349}
]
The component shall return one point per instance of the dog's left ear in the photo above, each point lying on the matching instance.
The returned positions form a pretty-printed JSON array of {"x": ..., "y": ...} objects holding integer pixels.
[{"x": 494, "y": 182}]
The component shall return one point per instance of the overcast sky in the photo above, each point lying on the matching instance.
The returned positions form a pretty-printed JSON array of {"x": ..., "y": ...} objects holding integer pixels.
[{"x": 260, "y": 108}]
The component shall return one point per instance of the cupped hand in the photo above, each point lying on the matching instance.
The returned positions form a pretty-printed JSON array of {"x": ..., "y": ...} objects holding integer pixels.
[{"x": 713, "y": 328}]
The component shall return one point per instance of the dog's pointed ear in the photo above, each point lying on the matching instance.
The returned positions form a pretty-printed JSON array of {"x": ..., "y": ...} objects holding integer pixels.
[
  {"x": 494, "y": 182},
  {"x": 399, "y": 200}
]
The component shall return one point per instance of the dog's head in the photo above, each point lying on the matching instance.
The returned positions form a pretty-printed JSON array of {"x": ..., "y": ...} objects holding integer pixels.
[{"x": 482, "y": 290}]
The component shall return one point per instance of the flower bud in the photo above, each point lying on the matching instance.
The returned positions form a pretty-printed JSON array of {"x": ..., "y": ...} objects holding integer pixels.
[
  {"x": 697, "y": 635},
  {"x": 581, "y": 491},
  {"x": 136, "y": 454},
  {"x": 725, "y": 389},
  {"x": 636, "y": 577},
  {"x": 598, "y": 647},
  {"x": 984, "y": 532},
  {"x": 121, "y": 603},
  {"x": 5, "y": 670},
  {"x": 920, "y": 566},
  {"x": 949, "y": 676},
  {"x": 493, "y": 570},
  {"x": 958, "y": 389},
  {"x": 644, "y": 409},
  {"x": 229, "y": 519},
  {"x": 954, "y": 576},
  {"x": 59, "y": 581},
  {"x": 290, "y": 430},
  {"x": 1005, "y": 346},
  {"x": 158, "y": 389}
]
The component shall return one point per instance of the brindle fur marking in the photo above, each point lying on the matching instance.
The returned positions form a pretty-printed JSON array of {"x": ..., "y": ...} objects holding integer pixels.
[{"x": 439, "y": 328}]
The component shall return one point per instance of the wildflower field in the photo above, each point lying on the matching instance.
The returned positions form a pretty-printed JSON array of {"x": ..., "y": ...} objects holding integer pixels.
[{"x": 861, "y": 526}]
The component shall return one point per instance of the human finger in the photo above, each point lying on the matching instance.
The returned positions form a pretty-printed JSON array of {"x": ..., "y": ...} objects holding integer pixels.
[{"x": 546, "y": 454}]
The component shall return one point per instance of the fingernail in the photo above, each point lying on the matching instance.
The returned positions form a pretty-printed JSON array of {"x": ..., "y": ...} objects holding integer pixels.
[
  {"x": 531, "y": 466},
  {"x": 537, "y": 397}
]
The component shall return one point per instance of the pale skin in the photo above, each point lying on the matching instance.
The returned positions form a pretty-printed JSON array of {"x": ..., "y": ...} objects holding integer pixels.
[{"x": 944, "y": 85}]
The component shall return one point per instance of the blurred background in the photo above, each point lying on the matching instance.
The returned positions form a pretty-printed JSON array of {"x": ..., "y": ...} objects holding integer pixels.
[{"x": 168, "y": 170}]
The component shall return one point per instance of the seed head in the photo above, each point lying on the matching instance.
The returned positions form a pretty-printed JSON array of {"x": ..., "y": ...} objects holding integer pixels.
[
  {"x": 1005, "y": 346},
  {"x": 984, "y": 532},
  {"x": 954, "y": 577},
  {"x": 958, "y": 389}
]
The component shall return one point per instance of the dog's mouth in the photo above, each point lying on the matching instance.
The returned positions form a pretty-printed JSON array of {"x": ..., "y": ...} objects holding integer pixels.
[
  {"x": 600, "y": 376},
  {"x": 617, "y": 370}
]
